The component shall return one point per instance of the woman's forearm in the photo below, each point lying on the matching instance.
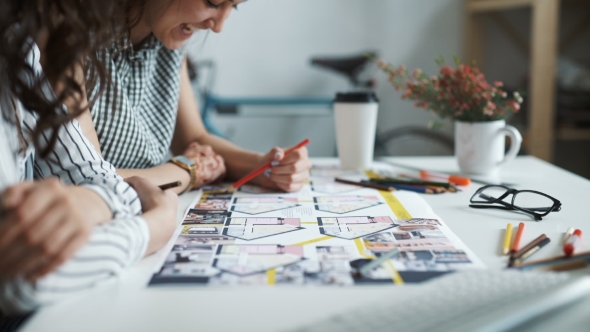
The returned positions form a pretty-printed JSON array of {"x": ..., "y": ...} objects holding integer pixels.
[
  {"x": 160, "y": 230},
  {"x": 90, "y": 204},
  {"x": 160, "y": 174}
]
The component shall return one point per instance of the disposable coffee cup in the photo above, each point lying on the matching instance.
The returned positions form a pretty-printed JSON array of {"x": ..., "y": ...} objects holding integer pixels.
[{"x": 355, "y": 116}]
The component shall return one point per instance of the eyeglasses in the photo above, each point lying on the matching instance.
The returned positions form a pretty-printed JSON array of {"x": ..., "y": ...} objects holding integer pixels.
[{"x": 532, "y": 202}]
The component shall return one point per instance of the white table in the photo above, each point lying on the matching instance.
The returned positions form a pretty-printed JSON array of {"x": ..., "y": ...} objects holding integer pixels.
[{"x": 128, "y": 305}]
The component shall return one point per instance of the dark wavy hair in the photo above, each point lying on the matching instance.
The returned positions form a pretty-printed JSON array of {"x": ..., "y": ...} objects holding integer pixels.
[{"x": 75, "y": 30}]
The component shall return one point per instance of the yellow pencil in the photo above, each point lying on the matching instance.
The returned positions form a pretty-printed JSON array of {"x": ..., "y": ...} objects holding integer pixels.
[{"x": 507, "y": 239}]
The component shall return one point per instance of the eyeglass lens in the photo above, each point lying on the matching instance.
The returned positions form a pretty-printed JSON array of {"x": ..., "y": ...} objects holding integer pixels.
[
  {"x": 489, "y": 194},
  {"x": 532, "y": 201}
]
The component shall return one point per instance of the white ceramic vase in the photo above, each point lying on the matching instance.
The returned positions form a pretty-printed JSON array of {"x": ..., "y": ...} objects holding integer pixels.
[{"x": 480, "y": 146}]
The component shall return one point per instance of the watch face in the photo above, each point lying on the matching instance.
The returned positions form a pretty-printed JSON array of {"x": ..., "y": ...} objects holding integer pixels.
[{"x": 184, "y": 160}]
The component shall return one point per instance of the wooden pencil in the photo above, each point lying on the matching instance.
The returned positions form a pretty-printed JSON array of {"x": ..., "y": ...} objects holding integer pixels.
[
  {"x": 516, "y": 241},
  {"x": 529, "y": 246},
  {"x": 365, "y": 184},
  {"x": 445, "y": 185},
  {"x": 414, "y": 188},
  {"x": 530, "y": 252},
  {"x": 567, "y": 266}
]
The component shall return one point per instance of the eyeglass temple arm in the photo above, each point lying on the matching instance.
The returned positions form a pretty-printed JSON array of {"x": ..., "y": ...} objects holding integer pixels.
[
  {"x": 510, "y": 208},
  {"x": 491, "y": 207},
  {"x": 490, "y": 198},
  {"x": 499, "y": 200}
]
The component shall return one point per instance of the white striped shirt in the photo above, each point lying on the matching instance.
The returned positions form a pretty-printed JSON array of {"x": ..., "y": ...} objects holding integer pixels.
[{"x": 112, "y": 247}]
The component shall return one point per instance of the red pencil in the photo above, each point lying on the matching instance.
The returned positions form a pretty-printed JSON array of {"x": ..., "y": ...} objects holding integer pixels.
[
  {"x": 516, "y": 242},
  {"x": 266, "y": 166}
]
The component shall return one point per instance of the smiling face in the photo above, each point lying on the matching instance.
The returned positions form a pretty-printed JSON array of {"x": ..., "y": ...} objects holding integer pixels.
[{"x": 174, "y": 21}]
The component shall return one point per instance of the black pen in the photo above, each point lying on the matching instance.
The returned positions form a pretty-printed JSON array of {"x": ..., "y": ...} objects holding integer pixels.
[{"x": 170, "y": 185}]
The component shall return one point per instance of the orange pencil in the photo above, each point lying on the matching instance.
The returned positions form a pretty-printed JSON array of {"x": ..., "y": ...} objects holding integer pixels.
[
  {"x": 516, "y": 242},
  {"x": 266, "y": 166}
]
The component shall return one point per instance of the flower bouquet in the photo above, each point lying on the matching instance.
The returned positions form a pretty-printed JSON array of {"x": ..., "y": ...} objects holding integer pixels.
[
  {"x": 460, "y": 93},
  {"x": 478, "y": 108}
]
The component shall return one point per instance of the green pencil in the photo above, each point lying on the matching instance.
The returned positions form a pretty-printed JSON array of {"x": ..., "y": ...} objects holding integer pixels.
[{"x": 445, "y": 185}]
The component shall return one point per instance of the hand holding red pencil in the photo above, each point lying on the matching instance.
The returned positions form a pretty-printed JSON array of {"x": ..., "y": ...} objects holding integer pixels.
[{"x": 287, "y": 170}]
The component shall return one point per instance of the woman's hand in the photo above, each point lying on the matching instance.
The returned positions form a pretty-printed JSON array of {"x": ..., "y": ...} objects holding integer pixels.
[
  {"x": 288, "y": 172},
  {"x": 210, "y": 165},
  {"x": 41, "y": 226},
  {"x": 159, "y": 211}
]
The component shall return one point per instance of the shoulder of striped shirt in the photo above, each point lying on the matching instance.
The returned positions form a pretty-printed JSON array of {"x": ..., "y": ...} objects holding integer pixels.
[{"x": 112, "y": 247}]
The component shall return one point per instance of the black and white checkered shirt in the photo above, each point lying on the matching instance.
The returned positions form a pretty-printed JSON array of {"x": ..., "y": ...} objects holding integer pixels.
[{"x": 135, "y": 117}]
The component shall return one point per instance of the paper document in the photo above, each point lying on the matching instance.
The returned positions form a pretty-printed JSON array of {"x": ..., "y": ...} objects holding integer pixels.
[{"x": 321, "y": 235}]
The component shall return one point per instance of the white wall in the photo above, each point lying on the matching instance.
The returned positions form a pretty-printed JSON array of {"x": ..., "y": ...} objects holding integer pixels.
[{"x": 266, "y": 45}]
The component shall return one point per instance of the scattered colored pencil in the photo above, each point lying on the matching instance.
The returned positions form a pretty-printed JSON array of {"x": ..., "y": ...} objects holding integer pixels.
[
  {"x": 567, "y": 266},
  {"x": 584, "y": 256},
  {"x": 451, "y": 189},
  {"x": 507, "y": 240},
  {"x": 529, "y": 246},
  {"x": 365, "y": 184},
  {"x": 414, "y": 188},
  {"x": 456, "y": 179},
  {"x": 516, "y": 242},
  {"x": 531, "y": 251},
  {"x": 445, "y": 185}
]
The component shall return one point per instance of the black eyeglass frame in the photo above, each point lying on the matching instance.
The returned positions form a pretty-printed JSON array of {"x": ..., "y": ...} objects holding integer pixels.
[{"x": 510, "y": 206}]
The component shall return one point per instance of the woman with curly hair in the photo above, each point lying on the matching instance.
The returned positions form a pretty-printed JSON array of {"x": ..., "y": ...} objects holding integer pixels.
[
  {"x": 149, "y": 109},
  {"x": 78, "y": 224}
]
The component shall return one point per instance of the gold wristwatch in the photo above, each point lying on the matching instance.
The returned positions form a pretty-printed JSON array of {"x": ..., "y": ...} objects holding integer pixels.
[{"x": 188, "y": 165}]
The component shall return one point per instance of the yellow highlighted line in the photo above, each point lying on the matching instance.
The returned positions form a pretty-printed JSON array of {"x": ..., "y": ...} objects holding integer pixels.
[
  {"x": 372, "y": 175},
  {"x": 394, "y": 204},
  {"x": 271, "y": 277},
  {"x": 323, "y": 238},
  {"x": 400, "y": 212},
  {"x": 361, "y": 248},
  {"x": 397, "y": 279},
  {"x": 309, "y": 222}
]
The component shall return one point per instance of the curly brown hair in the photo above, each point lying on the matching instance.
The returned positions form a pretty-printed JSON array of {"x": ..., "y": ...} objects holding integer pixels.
[{"x": 74, "y": 30}]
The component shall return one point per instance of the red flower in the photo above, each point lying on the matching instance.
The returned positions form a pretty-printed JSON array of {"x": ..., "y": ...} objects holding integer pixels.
[
  {"x": 417, "y": 73},
  {"x": 462, "y": 93},
  {"x": 446, "y": 71}
]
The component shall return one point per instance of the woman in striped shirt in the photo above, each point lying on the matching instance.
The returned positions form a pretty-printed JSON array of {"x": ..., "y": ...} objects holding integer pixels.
[
  {"x": 79, "y": 224},
  {"x": 150, "y": 109}
]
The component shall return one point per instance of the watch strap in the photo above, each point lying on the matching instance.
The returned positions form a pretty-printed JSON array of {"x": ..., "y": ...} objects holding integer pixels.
[{"x": 190, "y": 168}]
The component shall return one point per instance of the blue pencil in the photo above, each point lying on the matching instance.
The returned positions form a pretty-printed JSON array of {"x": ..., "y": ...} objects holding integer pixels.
[{"x": 417, "y": 189}]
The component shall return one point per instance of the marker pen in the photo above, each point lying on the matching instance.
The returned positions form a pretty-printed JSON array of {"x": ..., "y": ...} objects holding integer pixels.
[
  {"x": 570, "y": 244},
  {"x": 458, "y": 180}
]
